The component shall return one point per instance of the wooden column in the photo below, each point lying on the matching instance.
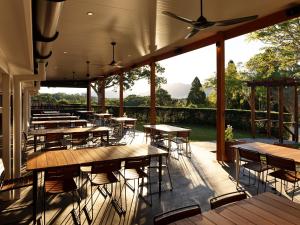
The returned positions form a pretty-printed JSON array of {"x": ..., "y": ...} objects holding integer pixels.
[
  {"x": 280, "y": 113},
  {"x": 152, "y": 94},
  {"x": 268, "y": 111},
  {"x": 252, "y": 105},
  {"x": 296, "y": 125},
  {"x": 88, "y": 98},
  {"x": 101, "y": 95},
  {"x": 220, "y": 47},
  {"x": 121, "y": 110}
]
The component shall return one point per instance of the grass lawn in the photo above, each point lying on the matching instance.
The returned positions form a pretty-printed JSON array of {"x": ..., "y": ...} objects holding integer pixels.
[{"x": 204, "y": 132}]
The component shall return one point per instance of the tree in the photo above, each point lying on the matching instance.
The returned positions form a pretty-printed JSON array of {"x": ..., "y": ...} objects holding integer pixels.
[
  {"x": 163, "y": 98},
  {"x": 135, "y": 100},
  {"x": 196, "y": 95},
  {"x": 281, "y": 54},
  {"x": 130, "y": 78},
  {"x": 235, "y": 88}
]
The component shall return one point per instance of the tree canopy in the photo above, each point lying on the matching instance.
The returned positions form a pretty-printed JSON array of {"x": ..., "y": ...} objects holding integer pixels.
[
  {"x": 196, "y": 95},
  {"x": 281, "y": 54},
  {"x": 163, "y": 98}
]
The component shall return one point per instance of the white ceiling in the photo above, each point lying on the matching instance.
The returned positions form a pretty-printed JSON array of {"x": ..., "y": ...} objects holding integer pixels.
[{"x": 138, "y": 27}]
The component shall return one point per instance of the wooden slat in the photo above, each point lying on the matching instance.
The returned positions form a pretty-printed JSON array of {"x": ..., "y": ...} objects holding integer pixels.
[
  {"x": 217, "y": 218},
  {"x": 61, "y": 161},
  {"x": 233, "y": 217},
  {"x": 279, "y": 212},
  {"x": 200, "y": 220},
  {"x": 41, "y": 161},
  {"x": 282, "y": 200},
  {"x": 51, "y": 159},
  {"x": 248, "y": 215},
  {"x": 271, "y": 217},
  {"x": 279, "y": 205}
]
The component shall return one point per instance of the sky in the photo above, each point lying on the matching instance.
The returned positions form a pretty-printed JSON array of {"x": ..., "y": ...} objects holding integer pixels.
[{"x": 182, "y": 69}]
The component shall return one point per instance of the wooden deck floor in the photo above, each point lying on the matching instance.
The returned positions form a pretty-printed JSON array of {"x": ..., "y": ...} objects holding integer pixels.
[{"x": 195, "y": 181}]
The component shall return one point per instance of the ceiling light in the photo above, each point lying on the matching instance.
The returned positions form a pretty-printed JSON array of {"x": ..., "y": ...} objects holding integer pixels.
[
  {"x": 189, "y": 28},
  {"x": 65, "y": 52},
  {"x": 89, "y": 13}
]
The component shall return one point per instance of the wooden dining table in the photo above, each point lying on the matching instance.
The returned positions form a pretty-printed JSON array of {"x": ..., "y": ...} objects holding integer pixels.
[
  {"x": 51, "y": 114},
  {"x": 263, "y": 209},
  {"x": 121, "y": 120},
  {"x": 41, "y": 161},
  {"x": 264, "y": 149},
  {"x": 57, "y": 122},
  {"x": 67, "y": 131},
  {"x": 45, "y": 118},
  {"x": 168, "y": 129}
]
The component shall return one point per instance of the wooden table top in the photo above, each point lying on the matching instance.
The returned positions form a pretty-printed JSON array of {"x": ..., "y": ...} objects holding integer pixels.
[
  {"x": 102, "y": 114},
  {"x": 275, "y": 150},
  {"x": 35, "y": 118},
  {"x": 166, "y": 128},
  {"x": 41, "y": 132},
  {"x": 56, "y": 121},
  {"x": 123, "y": 119},
  {"x": 85, "y": 112},
  {"x": 51, "y": 114},
  {"x": 263, "y": 209},
  {"x": 50, "y": 159}
]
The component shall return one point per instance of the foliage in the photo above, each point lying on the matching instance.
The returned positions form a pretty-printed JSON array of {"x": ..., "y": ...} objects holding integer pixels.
[
  {"x": 163, "y": 98},
  {"x": 196, "y": 95},
  {"x": 235, "y": 89},
  {"x": 229, "y": 133},
  {"x": 135, "y": 100},
  {"x": 281, "y": 55},
  {"x": 61, "y": 97}
]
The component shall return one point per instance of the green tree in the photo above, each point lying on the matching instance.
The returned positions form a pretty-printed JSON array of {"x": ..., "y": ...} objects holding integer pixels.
[
  {"x": 281, "y": 54},
  {"x": 130, "y": 78},
  {"x": 163, "y": 98},
  {"x": 196, "y": 95},
  {"x": 235, "y": 88},
  {"x": 135, "y": 100}
]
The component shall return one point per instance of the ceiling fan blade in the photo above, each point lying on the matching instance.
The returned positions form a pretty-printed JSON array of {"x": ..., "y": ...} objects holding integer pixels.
[
  {"x": 192, "y": 33},
  {"x": 183, "y": 19},
  {"x": 235, "y": 21}
]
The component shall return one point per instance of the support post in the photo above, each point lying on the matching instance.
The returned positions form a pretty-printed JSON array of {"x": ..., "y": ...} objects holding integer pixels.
[
  {"x": 88, "y": 98},
  {"x": 25, "y": 110},
  {"x": 252, "y": 105},
  {"x": 6, "y": 127},
  {"x": 220, "y": 47},
  {"x": 101, "y": 94},
  {"x": 121, "y": 110},
  {"x": 17, "y": 138},
  {"x": 152, "y": 94},
  {"x": 280, "y": 113},
  {"x": 268, "y": 112},
  {"x": 296, "y": 125}
]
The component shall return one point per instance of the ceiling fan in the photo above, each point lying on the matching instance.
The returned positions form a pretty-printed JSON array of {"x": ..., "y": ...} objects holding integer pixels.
[
  {"x": 202, "y": 23},
  {"x": 113, "y": 62}
]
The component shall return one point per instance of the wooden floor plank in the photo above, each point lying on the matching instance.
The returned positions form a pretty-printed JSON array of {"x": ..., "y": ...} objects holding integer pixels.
[
  {"x": 234, "y": 217},
  {"x": 282, "y": 200}
]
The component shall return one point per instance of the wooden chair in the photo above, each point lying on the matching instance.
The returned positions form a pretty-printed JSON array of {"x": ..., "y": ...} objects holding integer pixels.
[
  {"x": 147, "y": 132},
  {"x": 102, "y": 174},
  {"x": 129, "y": 127},
  {"x": 285, "y": 170},
  {"x": 255, "y": 164},
  {"x": 13, "y": 184},
  {"x": 227, "y": 198},
  {"x": 80, "y": 124},
  {"x": 176, "y": 214},
  {"x": 183, "y": 137},
  {"x": 158, "y": 138},
  {"x": 134, "y": 169},
  {"x": 79, "y": 139},
  {"x": 53, "y": 140},
  {"x": 98, "y": 137},
  {"x": 61, "y": 180},
  {"x": 50, "y": 125}
]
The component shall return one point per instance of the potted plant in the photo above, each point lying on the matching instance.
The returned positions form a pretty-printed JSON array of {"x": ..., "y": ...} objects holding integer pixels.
[{"x": 229, "y": 142}]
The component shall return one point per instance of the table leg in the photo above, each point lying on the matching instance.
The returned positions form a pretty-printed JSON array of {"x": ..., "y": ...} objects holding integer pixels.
[
  {"x": 237, "y": 166},
  {"x": 34, "y": 197},
  {"x": 159, "y": 174},
  {"x": 35, "y": 142}
]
